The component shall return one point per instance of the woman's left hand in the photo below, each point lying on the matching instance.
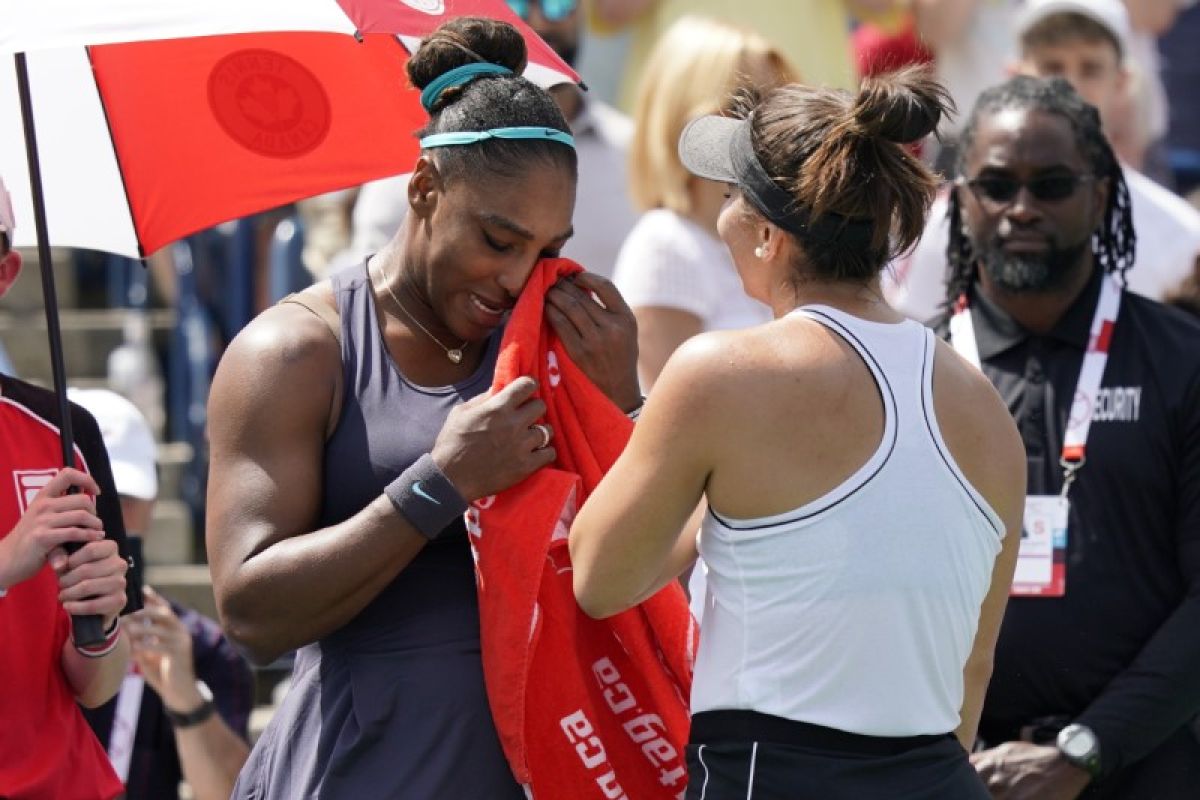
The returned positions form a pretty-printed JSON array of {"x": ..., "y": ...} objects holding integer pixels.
[{"x": 601, "y": 339}]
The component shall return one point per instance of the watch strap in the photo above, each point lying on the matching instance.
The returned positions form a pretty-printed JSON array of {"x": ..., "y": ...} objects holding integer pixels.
[{"x": 187, "y": 719}]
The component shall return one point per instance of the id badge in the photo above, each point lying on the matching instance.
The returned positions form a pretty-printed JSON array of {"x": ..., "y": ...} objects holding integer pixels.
[{"x": 1042, "y": 559}]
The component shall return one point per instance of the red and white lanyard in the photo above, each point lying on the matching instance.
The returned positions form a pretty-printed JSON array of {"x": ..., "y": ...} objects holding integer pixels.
[{"x": 962, "y": 338}]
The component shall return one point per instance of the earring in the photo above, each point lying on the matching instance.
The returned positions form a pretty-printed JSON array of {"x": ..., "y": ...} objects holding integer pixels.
[{"x": 760, "y": 252}]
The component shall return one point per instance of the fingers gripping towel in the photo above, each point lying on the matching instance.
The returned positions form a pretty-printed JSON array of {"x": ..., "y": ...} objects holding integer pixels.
[{"x": 585, "y": 708}]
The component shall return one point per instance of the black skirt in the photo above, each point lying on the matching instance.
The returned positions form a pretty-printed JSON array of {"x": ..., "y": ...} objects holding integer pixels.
[{"x": 744, "y": 755}]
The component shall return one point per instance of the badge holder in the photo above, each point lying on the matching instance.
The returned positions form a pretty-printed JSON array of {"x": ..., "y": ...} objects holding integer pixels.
[{"x": 1042, "y": 558}]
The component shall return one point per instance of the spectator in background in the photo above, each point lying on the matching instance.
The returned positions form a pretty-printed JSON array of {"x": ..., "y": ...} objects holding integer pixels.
[
  {"x": 879, "y": 50},
  {"x": 1084, "y": 41},
  {"x": 46, "y": 748},
  {"x": 1148, "y": 111},
  {"x": 1097, "y": 670},
  {"x": 1181, "y": 74},
  {"x": 604, "y": 213},
  {"x": 673, "y": 269},
  {"x": 193, "y": 723},
  {"x": 972, "y": 42},
  {"x": 813, "y": 35}
]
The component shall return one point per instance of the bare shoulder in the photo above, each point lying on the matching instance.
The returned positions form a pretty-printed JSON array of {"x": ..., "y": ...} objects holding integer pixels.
[
  {"x": 978, "y": 429},
  {"x": 285, "y": 360}
]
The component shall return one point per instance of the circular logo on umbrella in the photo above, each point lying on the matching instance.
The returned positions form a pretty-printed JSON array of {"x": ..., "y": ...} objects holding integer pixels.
[
  {"x": 432, "y": 7},
  {"x": 269, "y": 103}
]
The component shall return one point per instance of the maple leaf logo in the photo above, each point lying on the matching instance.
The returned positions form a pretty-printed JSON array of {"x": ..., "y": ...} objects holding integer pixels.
[{"x": 269, "y": 103}]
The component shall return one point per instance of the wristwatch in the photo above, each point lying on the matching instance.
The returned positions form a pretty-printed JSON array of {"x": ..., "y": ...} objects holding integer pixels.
[
  {"x": 199, "y": 714},
  {"x": 1080, "y": 747}
]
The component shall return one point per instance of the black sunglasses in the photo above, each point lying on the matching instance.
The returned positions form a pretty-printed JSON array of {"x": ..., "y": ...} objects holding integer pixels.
[{"x": 1004, "y": 189}]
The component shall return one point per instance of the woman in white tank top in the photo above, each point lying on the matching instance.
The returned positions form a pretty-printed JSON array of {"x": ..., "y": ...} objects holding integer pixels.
[{"x": 865, "y": 484}]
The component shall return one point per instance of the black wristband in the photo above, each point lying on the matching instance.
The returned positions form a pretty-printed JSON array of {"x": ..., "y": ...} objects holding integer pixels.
[{"x": 426, "y": 498}]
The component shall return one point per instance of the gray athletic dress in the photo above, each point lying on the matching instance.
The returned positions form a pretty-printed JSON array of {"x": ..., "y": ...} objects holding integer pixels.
[{"x": 393, "y": 704}]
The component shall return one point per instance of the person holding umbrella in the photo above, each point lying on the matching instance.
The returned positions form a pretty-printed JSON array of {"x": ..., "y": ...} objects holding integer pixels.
[
  {"x": 348, "y": 433},
  {"x": 46, "y": 747}
]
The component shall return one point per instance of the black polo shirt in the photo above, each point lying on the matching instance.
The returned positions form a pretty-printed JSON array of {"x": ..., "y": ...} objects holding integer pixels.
[{"x": 1121, "y": 651}]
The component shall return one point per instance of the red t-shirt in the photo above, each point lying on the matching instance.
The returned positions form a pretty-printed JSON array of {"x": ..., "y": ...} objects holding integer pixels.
[{"x": 47, "y": 750}]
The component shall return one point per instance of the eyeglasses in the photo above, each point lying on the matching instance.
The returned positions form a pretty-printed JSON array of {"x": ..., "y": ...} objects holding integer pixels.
[
  {"x": 553, "y": 10},
  {"x": 1048, "y": 188}
]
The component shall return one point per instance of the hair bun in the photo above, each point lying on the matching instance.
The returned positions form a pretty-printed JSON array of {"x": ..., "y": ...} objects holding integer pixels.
[
  {"x": 466, "y": 40},
  {"x": 902, "y": 106}
]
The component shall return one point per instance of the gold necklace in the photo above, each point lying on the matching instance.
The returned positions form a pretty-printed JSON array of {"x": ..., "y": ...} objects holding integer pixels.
[{"x": 454, "y": 354}]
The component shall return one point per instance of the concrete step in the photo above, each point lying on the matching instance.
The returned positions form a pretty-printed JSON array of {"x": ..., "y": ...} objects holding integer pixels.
[
  {"x": 189, "y": 584},
  {"x": 26, "y": 293},
  {"x": 169, "y": 540},
  {"x": 173, "y": 460},
  {"x": 88, "y": 337}
]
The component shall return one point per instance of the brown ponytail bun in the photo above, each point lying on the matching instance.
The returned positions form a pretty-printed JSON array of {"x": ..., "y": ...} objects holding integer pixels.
[{"x": 900, "y": 107}]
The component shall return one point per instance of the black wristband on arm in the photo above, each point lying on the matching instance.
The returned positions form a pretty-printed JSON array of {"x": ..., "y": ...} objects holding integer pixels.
[{"x": 426, "y": 497}]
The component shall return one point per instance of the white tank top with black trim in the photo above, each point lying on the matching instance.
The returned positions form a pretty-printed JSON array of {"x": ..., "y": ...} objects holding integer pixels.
[{"x": 856, "y": 611}]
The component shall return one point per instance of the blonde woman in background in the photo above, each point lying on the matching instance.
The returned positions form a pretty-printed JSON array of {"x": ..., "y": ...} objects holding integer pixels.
[{"x": 673, "y": 269}]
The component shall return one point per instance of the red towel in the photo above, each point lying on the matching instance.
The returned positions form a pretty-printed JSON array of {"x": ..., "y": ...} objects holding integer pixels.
[{"x": 585, "y": 708}]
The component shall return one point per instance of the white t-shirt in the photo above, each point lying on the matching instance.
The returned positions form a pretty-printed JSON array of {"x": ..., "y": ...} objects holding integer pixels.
[
  {"x": 668, "y": 261},
  {"x": 1168, "y": 243},
  {"x": 980, "y": 57}
]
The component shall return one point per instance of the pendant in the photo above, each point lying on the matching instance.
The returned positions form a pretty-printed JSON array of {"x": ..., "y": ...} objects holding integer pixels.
[{"x": 454, "y": 355}]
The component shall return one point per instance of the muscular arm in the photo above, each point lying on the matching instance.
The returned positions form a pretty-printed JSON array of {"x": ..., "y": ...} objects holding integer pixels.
[
  {"x": 978, "y": 670},
  {"x": 630, "y": 538},
  {"x": 941, "y": 22},
  {"x": 660, "y": 332},
  {"x": 278, "y": 582},
  {"x": 985, "y": 443}
]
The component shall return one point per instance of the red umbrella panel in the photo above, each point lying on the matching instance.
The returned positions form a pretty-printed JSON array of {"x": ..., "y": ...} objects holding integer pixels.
[{"x": 212, "y": 128}]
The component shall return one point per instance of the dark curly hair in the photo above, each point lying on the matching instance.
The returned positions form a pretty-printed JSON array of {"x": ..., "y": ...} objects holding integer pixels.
[
  {"x": 489, "y": 101},
  {"x": 1114, "y": 242}
]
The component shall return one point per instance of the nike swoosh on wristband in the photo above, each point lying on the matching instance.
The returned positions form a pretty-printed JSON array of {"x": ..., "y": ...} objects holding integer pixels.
[{"x": 417, "y": 490}]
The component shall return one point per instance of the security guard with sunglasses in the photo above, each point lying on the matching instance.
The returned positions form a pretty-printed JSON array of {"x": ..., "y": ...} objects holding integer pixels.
[{"x": 1096, "y": 683}]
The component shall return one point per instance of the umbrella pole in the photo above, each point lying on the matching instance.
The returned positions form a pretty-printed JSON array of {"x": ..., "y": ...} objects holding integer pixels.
[{"x": 87, "y": 630}]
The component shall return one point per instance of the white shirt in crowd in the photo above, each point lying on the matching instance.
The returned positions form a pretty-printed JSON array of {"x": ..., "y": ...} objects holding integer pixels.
[
  {"x": 1168, "y": 244},
  {"x": 668, "y": 261},
  {"x": 604, "y": 213},
  {"x": 980, "y": 58}
]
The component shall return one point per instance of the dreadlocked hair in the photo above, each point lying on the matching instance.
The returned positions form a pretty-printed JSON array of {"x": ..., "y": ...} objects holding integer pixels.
[{"x": 1114, "y": 242}]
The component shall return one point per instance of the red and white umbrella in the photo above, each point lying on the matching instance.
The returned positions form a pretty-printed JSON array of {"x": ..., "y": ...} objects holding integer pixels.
[
  {"x": 143, "y": 121},
  {"x": 158, "y": 118}
]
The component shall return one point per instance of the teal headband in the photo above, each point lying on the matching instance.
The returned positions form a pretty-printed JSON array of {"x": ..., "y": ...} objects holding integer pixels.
[
  {"x": 459, "y": 76},
  {"x": 454, "y": 138}
]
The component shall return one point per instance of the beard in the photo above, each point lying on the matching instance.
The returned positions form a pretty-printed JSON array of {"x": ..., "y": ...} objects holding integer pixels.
[{"x": 1031, "y": 272}]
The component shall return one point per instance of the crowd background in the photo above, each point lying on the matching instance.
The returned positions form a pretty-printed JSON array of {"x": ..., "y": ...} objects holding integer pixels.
[{"x": 155, "y": 335}]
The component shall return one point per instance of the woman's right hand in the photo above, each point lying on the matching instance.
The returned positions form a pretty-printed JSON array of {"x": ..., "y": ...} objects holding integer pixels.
[{"x": 488, "y": 443}]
